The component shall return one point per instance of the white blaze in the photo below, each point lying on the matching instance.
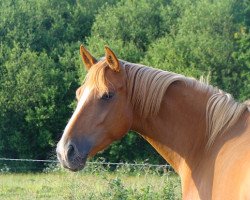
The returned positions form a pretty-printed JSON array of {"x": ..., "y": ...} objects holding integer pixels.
[{"x": 80, "y": 104}]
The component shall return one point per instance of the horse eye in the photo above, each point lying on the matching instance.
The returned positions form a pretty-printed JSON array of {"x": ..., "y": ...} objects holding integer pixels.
[{"x": 107, "y": 96}]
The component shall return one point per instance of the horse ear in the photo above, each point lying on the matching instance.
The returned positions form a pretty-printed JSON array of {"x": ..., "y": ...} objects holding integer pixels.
[
  {"x": 87, "y": 58},
  {"x": 112, "y": 60}
]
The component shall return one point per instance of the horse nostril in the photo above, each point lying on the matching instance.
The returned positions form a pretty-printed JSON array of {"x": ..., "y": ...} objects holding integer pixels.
[{"x": 70, "y": 152}]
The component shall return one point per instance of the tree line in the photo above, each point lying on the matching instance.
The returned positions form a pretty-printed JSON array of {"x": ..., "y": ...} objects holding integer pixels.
[{"x": 40, "y": 66}]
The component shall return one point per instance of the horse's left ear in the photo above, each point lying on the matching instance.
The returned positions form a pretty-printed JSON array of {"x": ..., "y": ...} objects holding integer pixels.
[{"x": 111, "y": 59}]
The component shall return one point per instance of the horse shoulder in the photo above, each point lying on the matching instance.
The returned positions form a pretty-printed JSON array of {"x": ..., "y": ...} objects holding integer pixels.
[{"x": 232, "y": 167}]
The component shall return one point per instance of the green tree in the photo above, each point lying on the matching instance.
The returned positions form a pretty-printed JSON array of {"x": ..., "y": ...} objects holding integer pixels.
[
  {"x": 241, "y": 54},
  {"x": 201, "y": 43},
  {"x": 129, "y": 27}
]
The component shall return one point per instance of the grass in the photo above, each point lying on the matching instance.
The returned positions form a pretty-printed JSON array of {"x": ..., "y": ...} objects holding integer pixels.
[{"x": 122, "y": 184}]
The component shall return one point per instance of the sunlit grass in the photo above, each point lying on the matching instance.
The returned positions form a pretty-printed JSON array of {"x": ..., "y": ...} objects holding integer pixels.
[{"x": 87, "y": 185}]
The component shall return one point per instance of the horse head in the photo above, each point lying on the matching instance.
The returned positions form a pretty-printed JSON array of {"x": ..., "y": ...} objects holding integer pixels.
[{"x": 102, "y": 115}]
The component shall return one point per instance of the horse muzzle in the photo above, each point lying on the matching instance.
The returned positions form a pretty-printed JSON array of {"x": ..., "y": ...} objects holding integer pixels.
[{"x": 72, "y": 158}]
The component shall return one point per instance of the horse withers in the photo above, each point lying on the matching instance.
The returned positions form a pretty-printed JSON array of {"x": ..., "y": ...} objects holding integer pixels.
[{"x": 200, "y": 130}]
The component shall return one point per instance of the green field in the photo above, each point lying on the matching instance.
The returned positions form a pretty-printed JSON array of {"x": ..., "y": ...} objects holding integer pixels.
[{"x": 120, "y": 184}]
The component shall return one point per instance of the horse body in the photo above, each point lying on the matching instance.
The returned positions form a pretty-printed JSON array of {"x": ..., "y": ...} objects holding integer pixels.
[
  {"x": 231, "y": 157},
  {"x": 180, "y": 139},
  {"x": 172, "y": 116}
]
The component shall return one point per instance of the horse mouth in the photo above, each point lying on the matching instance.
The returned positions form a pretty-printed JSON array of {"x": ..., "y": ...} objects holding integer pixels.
[
  {"x": 72, "y": 156},
  {"x": 77, "y": 163}
]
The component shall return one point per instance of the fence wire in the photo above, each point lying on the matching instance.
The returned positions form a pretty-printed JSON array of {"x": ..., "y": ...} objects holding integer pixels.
[{"x": 33, "y": 164}]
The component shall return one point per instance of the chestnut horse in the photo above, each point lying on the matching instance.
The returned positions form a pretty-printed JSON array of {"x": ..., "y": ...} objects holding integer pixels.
[{"x": 200, "y": 130}]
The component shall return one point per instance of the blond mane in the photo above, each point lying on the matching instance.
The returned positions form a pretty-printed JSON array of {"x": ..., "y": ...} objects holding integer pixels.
[{"x": 147, "y": 86}]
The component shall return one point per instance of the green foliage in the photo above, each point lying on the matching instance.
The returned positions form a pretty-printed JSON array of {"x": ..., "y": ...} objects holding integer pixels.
[
  {"x": 40, "y": 67},
  {"x": 202, "y": 44},
  {"x": 241, "y": 54},
  {"x": 129, "y": 27},
  {"x": 167, "y": 54},
  {"x": 45, "y": 24},
  {"x": 28, "y": 101},
  {"x": 242, "y": 58}
]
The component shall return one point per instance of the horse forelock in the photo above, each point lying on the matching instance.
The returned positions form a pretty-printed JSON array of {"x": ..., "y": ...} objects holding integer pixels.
[{"x": 96, "y": 78}]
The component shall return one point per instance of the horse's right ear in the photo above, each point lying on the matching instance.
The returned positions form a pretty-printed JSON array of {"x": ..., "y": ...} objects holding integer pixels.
[{"x": 87, "y": 58}]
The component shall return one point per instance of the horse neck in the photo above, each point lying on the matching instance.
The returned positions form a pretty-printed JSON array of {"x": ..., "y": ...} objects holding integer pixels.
[{"x": 178, "y": 132}]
